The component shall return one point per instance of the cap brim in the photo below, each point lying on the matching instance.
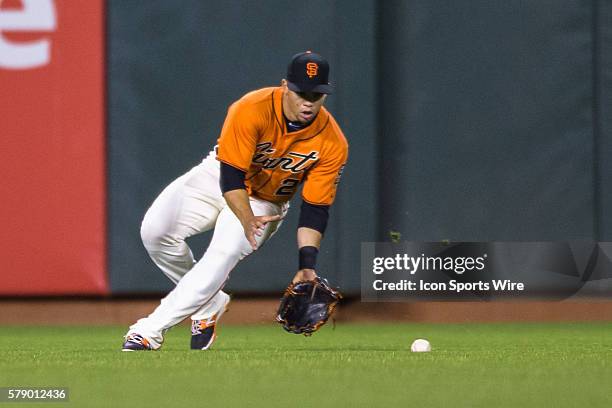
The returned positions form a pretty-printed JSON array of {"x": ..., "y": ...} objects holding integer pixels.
[{"x": 320, "y": 88}]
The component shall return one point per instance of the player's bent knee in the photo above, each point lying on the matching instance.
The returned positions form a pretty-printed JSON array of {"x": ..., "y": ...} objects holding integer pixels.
[
  {"x": 154, "y": 234},
  {"x": 230, "y": 253}
]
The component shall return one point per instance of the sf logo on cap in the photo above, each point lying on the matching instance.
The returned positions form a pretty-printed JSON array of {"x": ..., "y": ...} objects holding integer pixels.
[{"x": 312, "y": 69}]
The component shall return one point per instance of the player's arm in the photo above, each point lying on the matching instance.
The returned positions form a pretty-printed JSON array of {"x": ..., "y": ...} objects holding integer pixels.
[
  {"x": 312, "y": 224},
  {"x": 236, "y": 146},
  {"x": 318, "y": 193},
  {"x": 236, "y": 196}
]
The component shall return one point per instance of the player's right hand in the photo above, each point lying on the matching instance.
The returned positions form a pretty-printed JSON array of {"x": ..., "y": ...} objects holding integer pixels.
[{"x": 255, "y": 226}]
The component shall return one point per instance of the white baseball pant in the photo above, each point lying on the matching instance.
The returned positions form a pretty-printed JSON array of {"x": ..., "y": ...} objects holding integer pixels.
[{"x": 192, "y": 204}]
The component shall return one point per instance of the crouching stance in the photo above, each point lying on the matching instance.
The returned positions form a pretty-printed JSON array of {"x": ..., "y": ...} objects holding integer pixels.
[{"x": 273, "y": 139}]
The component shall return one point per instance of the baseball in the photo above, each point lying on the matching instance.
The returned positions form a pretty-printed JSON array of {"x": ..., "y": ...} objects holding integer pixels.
[{"x": 420, "y": 346}]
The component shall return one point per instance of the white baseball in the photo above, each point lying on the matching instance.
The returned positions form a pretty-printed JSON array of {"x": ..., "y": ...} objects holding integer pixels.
[{"x": 420, "y": 346}]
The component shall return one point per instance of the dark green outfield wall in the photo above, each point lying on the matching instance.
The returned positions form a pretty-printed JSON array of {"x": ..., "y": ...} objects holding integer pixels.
[
  {"x": 479, "y": 120},
  {"x": 490, "y": 123}
]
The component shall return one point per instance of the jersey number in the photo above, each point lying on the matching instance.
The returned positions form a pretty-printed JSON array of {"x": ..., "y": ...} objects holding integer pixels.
[{"x": 287, "y": 186}]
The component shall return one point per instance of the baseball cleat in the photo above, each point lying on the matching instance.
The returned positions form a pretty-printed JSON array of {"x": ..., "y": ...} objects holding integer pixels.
[
  {"x": 203, "y": 332},
  {"x": 135, "y": 342}
]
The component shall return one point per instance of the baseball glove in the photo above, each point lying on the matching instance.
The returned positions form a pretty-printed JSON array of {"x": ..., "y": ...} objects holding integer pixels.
[{"x": 306, "y": 306}]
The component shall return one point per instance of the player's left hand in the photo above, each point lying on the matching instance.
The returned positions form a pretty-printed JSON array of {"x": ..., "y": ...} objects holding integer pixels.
[
  {"x": 306, "y": 305},
  {"x": 304, "y": 275}
]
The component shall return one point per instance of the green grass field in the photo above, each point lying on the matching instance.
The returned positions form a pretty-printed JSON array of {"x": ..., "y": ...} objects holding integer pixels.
[{"x": 471, "y": 365}]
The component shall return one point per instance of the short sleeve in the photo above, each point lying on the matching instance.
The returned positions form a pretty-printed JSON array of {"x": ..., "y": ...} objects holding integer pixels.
[
  {"x": 322, "y": 180},
  {"x": 238, "y": 137}
]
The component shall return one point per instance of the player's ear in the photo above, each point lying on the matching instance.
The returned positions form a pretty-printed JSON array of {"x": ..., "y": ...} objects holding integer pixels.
[{"x": 284, "y": 83}]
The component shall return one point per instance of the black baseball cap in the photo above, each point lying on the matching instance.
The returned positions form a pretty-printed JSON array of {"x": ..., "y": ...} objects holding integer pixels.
[{"x": 308, "y": 72}]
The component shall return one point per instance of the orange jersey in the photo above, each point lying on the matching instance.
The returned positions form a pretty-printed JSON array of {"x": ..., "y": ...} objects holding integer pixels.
[{"x": 255, "y": 139}]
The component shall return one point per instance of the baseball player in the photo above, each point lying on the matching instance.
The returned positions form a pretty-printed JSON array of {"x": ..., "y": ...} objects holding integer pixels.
[{"x": 273, "y": 139}]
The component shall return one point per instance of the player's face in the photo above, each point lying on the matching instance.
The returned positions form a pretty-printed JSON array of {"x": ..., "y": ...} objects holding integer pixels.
[{"x": 301, "y": 107}]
